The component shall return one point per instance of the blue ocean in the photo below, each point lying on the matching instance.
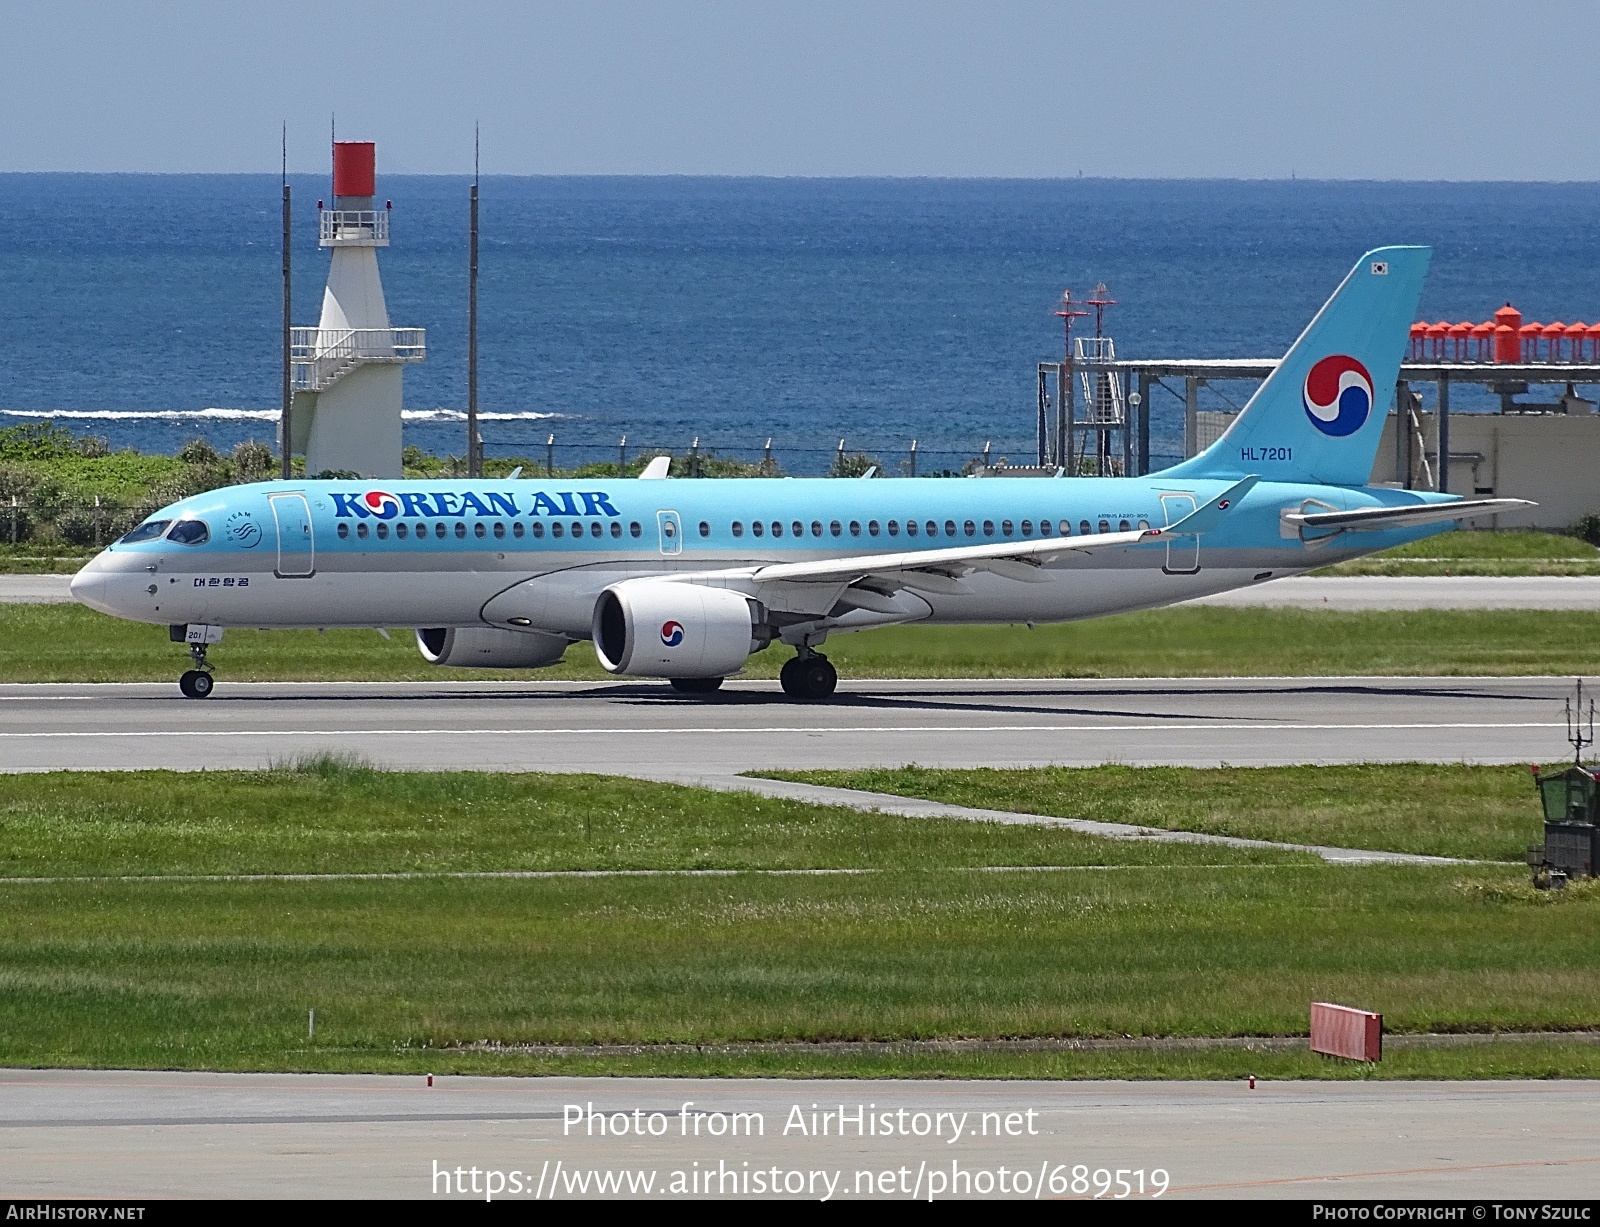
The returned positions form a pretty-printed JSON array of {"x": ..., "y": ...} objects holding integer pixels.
[{"x": 146, "y": 308}]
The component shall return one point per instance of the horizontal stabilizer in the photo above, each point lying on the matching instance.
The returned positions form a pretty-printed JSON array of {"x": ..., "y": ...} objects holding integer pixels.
[
  {"x": 1206, "y": 517},
  {"x": 1374, "y": 519}
]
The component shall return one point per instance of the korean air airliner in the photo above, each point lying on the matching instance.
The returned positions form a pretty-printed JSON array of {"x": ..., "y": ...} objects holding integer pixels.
[{"x": 685, "y": 579}]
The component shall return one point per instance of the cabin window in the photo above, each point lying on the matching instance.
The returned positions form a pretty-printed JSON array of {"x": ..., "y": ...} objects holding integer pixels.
[
  {"x": 577, "y": 528},
  {"x": 461, "y": 528},
  {"x": 595, "y": 529},
  {"x": 705, "y": 529},
  {"x": 190, "y": 532},
  {"x": 635, "y": 529},
  {"x": 798, "y": 529},
  {"x": 969, "y": 528},
  {"x": 1105, "y": 526},
  {"x": 538, "y": 529},
  {"x": 1083, "y": 527},
  {"x": 816, "y": 528},
  {"x": 1044, "y": 528},
  {"x": 401, "y": 530},
  {"x": 1144, "y": 525},
  {"x": 517, "y": 529},
  {"x": 738, "y": 529},
  {"x": 499, "y": 528},
  {"x": 616, "y": 528},
  {"x": 777, "y": 528},
  {"x": 872, "y": 528},
  {"x": 988, "y": 528},
  {"x": 911, "y": 528},
  {"x": 361, "y": 531},
  {"x": 1027, "y": 528},
  {"x": 344, "y": 530},
  {"x": 480, "y": 529},
  {"x": 894, "y": 528},
  {"x": 1123, "y": 526},
  {"x": 855, "y": 528},
  {"x": 555, "y": 528},
  {"x": 757, "y": 527},
  {"x": 835, "y": 527},
  {"x": 383, "y": 532}
]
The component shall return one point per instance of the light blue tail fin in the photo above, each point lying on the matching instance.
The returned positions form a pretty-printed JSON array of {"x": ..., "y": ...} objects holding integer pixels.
[{"x": 1319, "y": 415}]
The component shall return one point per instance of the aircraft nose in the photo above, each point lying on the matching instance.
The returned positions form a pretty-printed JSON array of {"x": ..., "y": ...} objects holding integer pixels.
[{"x": 88, "y": 587}]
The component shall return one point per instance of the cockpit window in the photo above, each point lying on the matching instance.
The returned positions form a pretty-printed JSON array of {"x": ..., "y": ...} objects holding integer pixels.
[
  {"x": 190, "y": 532},
  {"x": 148, "y": 531}
]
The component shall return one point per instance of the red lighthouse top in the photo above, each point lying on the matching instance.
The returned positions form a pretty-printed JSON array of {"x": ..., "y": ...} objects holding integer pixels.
[{"x": 355, "y": 168}]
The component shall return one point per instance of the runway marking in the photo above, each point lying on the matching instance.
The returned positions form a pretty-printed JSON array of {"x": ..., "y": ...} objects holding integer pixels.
[
  {"x": 422, "y": 876},
  {"x": 1231, "y": 724}
]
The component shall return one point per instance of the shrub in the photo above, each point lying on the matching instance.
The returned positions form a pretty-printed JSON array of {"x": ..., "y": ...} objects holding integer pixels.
[
  {"x": 1588, "y": 528},
  {"x": 252, "y": 461},
  {"x": 200, "y": 454},
  {"x": 853, "y": 464}
]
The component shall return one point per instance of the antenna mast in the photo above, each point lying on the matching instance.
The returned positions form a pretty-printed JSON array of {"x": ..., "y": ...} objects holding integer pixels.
[
  {"x": 285, "y": 425},
  {"x": 474, "y": 443}
]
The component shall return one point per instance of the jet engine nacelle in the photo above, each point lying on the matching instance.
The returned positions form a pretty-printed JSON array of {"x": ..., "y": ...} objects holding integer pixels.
[
  {"x": 487, "y": 647},
  {"x": 657, "y": 628}
]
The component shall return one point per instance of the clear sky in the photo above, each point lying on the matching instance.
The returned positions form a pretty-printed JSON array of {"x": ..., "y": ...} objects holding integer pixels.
[{"x": 1357, "y": 89}]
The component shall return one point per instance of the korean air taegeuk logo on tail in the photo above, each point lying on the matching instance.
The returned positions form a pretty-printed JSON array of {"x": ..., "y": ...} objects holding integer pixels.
[
  {"x": 1338, "y": 395},
  {"x": 671, "y": 634}
]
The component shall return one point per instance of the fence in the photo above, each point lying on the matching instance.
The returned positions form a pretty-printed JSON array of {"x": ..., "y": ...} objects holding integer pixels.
[{"x": 72, "y": 523}]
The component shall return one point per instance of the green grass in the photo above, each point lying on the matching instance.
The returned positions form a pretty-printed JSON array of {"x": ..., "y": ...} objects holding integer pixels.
[
  {"x": 1480, "y": 553},
  {"x": 1480, "y": 813},
  {"x": 67, "y": 643},
  {"x": 328, "y": 817},
  {"x": 409, "y": 975},
  {"x": 220, "y": 975}
]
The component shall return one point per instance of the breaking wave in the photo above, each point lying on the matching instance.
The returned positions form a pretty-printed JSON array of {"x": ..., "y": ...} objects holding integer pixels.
[{"x": 250, "y": 415}]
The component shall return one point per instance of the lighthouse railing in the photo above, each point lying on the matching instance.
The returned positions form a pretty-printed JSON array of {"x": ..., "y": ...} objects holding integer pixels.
[
  {"x": 353, "y": 227},
  {"x": 320, "y": 356}
]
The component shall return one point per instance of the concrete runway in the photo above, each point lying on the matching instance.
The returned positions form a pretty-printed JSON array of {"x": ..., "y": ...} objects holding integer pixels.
[
  {"x": 1578, "y": 592},
  {"x": 133, "y": 1135},
  {"x": 1571, "y": 592},
  {"x": 648, "y": 730}
]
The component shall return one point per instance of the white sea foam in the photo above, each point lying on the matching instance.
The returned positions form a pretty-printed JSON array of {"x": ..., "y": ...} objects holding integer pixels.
[{"x": 248, "y": 415}]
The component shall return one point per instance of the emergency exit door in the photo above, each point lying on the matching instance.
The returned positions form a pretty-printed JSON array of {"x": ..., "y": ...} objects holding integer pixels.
[
  {"x": 1183, "y": 553},
  {"x": 297, "y": 549}
]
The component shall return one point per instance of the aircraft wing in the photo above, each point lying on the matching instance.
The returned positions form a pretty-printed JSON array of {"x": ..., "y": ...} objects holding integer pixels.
[
  {"x": 1373, "y": 519},
  {"x": 1014, "y": 560}
]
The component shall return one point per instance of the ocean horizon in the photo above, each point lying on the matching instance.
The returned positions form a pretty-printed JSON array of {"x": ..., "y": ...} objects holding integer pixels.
[{"x": 145, "y": 307}]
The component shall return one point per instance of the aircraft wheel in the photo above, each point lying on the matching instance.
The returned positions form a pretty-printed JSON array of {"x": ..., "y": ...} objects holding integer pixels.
[
  {"x": 809, "y": 677},
  {"x": 697, "y": 685},
  {"x": 789, "y": 678},
  {"x": 196, "y": 684}
]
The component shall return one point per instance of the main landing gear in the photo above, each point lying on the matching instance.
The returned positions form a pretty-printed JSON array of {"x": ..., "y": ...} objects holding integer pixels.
[
  {"x": 696, "y": 685},
  {"x": 809, "y": 676},
  {"x": 196, "y": 683}
]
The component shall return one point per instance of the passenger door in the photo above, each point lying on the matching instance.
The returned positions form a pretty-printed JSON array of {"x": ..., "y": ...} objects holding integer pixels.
[
  {"x": 297, "y": 552},
  {"x": 670, "y": 531},
  {"x": 1183, "y": 553}
]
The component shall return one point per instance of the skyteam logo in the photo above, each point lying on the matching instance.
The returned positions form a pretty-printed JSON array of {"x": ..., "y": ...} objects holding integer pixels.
[
  {"x": 1338, "y": 395},
  {"x": 381, "y": 504},
  {"x": 671, "y": 634}
]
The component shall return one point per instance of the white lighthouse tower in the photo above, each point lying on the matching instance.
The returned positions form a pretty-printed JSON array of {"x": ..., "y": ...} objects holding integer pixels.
[{"x": 347, "y": 371}]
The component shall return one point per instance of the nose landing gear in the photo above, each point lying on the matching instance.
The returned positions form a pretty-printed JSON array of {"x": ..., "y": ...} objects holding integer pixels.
[
  {"x": 809, "y": 676},
  {"x": 196, "y": 683}
]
